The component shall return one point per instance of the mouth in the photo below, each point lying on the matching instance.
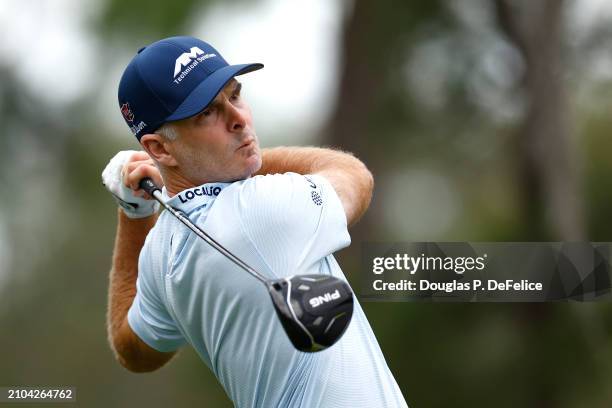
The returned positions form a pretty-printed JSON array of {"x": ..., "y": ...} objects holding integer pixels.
[{"x": 249, "y": 142}]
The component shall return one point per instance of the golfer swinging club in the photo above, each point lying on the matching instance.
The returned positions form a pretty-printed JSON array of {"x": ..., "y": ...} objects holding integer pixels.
[{"x": 283, "y": 211}]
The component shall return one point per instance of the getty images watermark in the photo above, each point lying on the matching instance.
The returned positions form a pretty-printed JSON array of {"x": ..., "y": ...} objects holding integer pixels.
[{"x": 486, "y": 272}]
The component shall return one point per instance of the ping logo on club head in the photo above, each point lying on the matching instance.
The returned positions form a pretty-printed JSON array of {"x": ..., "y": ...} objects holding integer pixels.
[
  {"x": 127, "y": 112},
  {"x": 325, "y": 298}
]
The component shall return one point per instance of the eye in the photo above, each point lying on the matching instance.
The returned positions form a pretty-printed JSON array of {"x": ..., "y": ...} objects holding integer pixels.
[
  {"x": 204, "y": 116},
  {"x": 236, "y": 94}
]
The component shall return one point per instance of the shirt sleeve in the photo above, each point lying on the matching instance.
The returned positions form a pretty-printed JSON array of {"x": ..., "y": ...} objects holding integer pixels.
[
  {"x": 149, "y": 318},
  {"x": 293, "y": 220}
]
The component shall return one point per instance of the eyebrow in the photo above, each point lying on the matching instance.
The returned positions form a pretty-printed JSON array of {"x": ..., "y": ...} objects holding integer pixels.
[
  {"x": 237, "y": 88},
  {"x": 214, "y": 102}
]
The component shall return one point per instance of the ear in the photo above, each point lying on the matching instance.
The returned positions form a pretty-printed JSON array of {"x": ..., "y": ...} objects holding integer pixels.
[{"x": 157, "y": 147}]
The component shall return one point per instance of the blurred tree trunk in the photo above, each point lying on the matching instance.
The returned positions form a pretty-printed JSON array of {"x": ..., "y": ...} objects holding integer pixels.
[
  {"x": 347, "y": 128},
  {"x": 547, "y": 160},
  {"x": 547, "y": 169},
  {"x": 376, "y": 35}
]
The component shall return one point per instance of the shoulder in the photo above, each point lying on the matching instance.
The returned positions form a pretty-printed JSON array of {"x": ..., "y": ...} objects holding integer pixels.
[
  {"x": 165, "y": 245},
  {"x": 286, "y": 187},
  {"x": 276, "y": 200},
  {"x": 291, "y": 216},
  {"x": 159, "y": 235}
]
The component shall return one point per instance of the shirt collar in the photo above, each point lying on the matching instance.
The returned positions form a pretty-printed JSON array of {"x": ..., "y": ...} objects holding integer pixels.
[{"x": 195, "y": 197}]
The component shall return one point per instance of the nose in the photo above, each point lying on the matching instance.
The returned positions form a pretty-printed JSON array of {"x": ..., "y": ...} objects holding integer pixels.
[{"x": 236, "y": 120}]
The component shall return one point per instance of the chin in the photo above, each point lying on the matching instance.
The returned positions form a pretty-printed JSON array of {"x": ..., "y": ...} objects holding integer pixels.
[
  {"x": 253, "y": 164},
  {"x": 248, "y": 170}
]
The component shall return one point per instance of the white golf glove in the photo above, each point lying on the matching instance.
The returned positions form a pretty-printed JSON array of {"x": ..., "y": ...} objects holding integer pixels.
[{"x": 112, "y": 178}]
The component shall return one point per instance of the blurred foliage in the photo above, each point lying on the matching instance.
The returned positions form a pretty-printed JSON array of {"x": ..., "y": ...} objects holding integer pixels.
[
  {"x": 144, "y": 17},
  {"x": 59, "y": 222}
]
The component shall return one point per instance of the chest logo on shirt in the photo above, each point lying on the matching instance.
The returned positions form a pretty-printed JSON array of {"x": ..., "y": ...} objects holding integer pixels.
[
  {"x": 312, "y": 184},
  {"x": 199, "y": 191},
  {"x": 316, "y": 198}
]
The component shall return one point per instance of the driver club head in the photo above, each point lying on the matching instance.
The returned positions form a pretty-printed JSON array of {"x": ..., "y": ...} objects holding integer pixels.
[{"x": 315, "y": 310}]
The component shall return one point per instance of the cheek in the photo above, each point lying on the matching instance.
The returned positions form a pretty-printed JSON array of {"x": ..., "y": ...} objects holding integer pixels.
[
  {"x": 199, "y": 157},
  {"x": 248, "y": 117}
]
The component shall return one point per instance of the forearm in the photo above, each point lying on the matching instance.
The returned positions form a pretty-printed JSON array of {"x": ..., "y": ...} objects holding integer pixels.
[
  {"x": 350, "y": 178},
  {"x": 301, "y": 160},
  {"x": 305, "y": 160},
  {"x": 130, "y": 237}
]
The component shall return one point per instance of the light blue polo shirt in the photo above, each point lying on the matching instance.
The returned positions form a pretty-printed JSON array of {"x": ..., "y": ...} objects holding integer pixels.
[{"x": 187, "y": 292}]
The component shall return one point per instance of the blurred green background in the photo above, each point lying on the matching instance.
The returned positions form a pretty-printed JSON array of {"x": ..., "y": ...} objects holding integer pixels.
[{"x": 481, "y": 121}]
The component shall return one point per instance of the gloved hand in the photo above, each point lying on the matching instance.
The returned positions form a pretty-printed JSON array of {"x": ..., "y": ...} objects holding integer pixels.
[{"x": 128, "y": 167}]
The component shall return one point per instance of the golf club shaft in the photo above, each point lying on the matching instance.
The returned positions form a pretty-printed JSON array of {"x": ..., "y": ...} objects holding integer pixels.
[{"x": 149, "y": 186}]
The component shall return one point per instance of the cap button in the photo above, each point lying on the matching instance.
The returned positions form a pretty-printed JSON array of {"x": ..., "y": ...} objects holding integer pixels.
[{"x": 140, "y": 50}]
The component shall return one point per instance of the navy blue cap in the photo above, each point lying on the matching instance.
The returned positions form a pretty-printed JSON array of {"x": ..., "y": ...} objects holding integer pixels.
[{"x": 173, "y": 79}]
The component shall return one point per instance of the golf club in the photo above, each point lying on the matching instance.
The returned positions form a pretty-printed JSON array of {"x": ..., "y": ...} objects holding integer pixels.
[{"x": 314, "y": 310}]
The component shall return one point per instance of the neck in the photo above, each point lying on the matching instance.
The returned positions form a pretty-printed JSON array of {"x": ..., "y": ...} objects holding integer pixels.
[{"x": 176, "y": 182}]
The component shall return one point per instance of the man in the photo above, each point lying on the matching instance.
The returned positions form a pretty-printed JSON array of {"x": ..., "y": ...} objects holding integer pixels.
[{"x": 168, "y": 288}]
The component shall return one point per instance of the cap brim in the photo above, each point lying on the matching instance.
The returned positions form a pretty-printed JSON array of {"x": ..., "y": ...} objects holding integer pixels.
[{"x": 204, "y": 93}]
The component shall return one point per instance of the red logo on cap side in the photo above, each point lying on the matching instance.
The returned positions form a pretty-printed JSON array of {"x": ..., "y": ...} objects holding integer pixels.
[{"x": 127, "y": 112}]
